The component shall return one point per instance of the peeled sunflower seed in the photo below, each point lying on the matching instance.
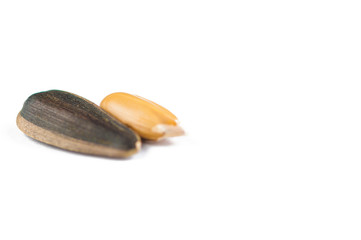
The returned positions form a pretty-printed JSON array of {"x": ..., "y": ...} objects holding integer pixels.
[
  {"x": 148, "y": 119},
  {"x": 68, "y": 121}
]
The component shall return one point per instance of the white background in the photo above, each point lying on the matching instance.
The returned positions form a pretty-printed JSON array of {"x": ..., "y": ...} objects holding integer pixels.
[{"x": 267, "y": 91}]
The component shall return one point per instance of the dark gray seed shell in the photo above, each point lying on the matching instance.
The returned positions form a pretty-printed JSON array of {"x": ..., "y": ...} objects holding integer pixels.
[{"x": 65, "y": 120}]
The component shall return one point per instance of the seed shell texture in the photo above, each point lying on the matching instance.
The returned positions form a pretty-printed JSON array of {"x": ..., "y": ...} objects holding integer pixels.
[
  {"x": 70, "y": 122},
  {"x": 150, "y": 120}
]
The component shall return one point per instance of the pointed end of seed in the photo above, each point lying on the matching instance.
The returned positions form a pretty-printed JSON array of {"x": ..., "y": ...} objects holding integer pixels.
[
  {"x": 138, "y": 145},
  {"x": 166, "y": 130}
]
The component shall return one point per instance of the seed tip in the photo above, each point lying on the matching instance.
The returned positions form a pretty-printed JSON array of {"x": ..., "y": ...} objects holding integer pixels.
[
  {"x": 138, "y": 144},
  {"x": 168, "y": 130}
]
